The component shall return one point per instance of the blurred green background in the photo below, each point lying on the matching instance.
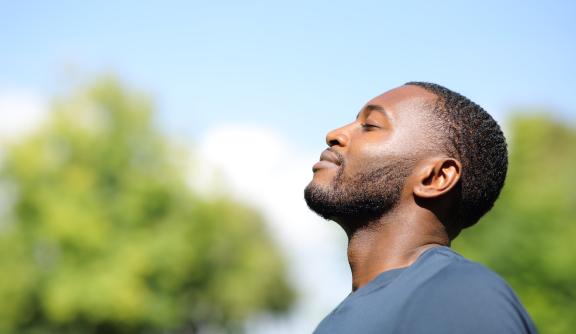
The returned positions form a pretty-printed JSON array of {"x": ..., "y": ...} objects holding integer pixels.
[
  {"x": 103, "y": 235},
  {"x": 166, "y": 197}
]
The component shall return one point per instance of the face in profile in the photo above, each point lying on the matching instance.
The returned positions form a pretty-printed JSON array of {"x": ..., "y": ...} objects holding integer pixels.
[{"x": 362, "y": 174}]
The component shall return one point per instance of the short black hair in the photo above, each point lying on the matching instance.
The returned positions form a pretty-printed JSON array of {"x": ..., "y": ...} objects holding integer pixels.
[{"x": 474, "y": 138}]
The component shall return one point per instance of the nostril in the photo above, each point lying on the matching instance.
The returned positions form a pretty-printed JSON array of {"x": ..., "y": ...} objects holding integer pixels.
[{"x": 337, "y": 137}]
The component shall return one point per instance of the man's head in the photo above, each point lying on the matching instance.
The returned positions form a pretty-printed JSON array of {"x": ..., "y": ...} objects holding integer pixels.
[{"x": 419, "y": 143}]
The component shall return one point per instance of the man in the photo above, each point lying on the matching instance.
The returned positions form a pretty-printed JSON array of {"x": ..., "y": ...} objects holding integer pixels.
[{"x": 419, "y": 163}]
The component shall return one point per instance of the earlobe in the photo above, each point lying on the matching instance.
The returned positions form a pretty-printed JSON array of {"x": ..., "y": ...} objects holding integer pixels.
[{"x": 437, "y": 177}]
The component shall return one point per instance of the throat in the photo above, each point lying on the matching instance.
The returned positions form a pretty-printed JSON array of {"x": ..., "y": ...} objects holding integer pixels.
[{"x": 372, "y": 251}]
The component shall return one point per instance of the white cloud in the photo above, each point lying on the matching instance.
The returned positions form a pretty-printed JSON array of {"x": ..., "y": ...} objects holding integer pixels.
[
  {"x": 20, "y": 113},
  {"x": 262, "y": 168}
]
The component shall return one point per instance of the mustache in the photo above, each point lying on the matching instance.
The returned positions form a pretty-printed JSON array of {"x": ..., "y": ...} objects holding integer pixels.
[{"x": 339, "y": 157}]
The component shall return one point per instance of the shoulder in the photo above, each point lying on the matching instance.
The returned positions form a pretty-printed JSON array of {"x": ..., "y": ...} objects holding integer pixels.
[
  {"x": 465, "y": 296},
  {"x": 457, "y": 271},
  {"x": 464, "y": 275},
  {"x": 442, "y": 269}
]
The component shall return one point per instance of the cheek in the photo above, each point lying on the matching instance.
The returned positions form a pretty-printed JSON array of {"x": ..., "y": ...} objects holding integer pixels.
[
  {"x": 358, "y": 165},
  {"x": 367, "y": 155},
  {"x": 372, "y": 156}
]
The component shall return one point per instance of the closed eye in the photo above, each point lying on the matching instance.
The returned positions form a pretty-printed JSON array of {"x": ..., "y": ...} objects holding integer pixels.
[{"x": 367, "y": 126}]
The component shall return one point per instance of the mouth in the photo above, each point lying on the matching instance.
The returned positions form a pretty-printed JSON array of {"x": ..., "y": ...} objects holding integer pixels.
[{"x": 328, "y": 159}]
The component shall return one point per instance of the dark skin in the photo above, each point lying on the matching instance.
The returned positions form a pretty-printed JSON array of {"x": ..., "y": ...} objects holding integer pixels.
[{"x": 395, "y": 123}]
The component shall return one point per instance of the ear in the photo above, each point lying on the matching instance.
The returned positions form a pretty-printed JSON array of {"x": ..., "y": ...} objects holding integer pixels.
[{"x": 436, "y": 177}]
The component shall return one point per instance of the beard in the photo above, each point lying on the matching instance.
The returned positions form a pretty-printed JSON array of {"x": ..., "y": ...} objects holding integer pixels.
[{"x": 369, "y": 194}]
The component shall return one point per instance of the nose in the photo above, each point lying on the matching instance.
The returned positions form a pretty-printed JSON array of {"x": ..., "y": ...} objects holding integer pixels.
[{"x": 337, "y": 137}]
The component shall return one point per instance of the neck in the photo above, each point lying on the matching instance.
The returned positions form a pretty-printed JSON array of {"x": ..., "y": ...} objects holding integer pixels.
[{"x": 391, "y": 243}]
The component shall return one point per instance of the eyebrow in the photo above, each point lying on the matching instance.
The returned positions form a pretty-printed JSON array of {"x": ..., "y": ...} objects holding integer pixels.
[{"x": 373, "y": 107}]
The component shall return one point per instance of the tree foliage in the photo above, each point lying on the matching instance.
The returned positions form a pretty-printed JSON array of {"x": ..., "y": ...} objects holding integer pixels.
[
  {"x": 529, "y": 237},
  {"x": 100, "y": 233}
]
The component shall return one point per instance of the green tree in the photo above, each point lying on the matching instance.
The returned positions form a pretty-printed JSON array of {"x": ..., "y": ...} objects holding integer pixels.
[
  {"x": 529, "y": 237},
  {"x": 100, "y": 233}
]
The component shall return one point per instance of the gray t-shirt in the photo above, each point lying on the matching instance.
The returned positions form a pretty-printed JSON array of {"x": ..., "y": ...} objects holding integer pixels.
[{"x": 442, "y": 292}]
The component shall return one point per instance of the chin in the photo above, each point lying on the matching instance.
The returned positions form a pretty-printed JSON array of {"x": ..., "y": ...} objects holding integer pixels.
[
  {"x": 320, "y": 183},
  {"x": 324, "y": 177}
]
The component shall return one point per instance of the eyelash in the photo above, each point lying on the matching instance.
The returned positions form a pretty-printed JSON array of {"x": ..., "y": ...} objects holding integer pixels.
[{"x": 366, "y": 126}]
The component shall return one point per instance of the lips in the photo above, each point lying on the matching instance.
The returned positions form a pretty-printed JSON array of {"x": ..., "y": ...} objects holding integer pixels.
[
  {"x": 330, "y": 156},
  {"x": 328, "y": 159}
]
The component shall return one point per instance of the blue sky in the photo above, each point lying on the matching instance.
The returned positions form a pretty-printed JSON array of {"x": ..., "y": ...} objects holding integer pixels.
[{"x": 301, "y": 67}]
